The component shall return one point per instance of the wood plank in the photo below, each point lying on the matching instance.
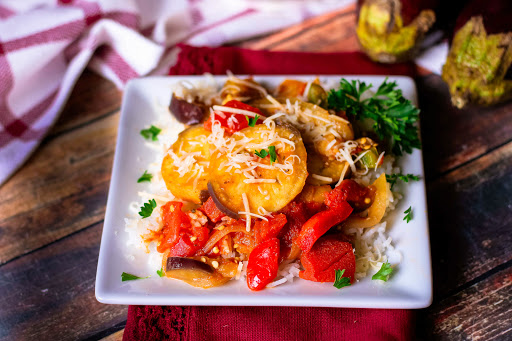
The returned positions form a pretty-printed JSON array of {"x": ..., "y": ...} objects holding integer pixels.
[
  {"x": 480, "y": 312},
  {"x": 49, "y": 294},
  {"x": 93, "y": 97},
  {"x": 470, "y": 220},
  {"x": 62, "y": 189},
  {"x": 117, "y": 336},
  {"x": 334, "y": 31},
  {"x": 452, "y": 137}
]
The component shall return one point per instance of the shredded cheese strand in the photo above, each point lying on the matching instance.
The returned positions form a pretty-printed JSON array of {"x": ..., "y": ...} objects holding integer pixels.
[{"x": 247, "y": 212}]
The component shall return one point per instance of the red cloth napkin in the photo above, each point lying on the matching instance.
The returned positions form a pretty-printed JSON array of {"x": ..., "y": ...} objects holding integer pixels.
[{"x": 270, "y": 323}]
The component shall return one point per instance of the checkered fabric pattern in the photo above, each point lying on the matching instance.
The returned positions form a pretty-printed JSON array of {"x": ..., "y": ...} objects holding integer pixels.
[{"x": 46, "y": 44}]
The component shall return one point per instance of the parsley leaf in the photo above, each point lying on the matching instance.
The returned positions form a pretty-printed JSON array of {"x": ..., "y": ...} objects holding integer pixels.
[
  {"x": 129, "y": 277},
  {"x": 262, "y": 153},
  {"x": 341, "y": 281},
  {"x": 145, "y": 177},
  {"x": 383, "y": 273},
  {"x": 147, "y": 209},
  {"x": 272, "y": 153},
  {"x": 408, "y": 214},
  {"x": 392, "y": 114},
  {"x": 393, "y": 178},
  {"x": 252, "y": 121},
  {"x": 150, "y": 133},
  {"x": 160, "y": 272}
]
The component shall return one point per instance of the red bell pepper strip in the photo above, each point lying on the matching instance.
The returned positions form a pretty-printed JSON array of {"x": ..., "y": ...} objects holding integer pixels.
[
  {"x": 320, "y": 223},
  {"x": 210, "y": 209},
  {"x": 234, "y": 122},
  {"x": 263, "y": 264},
  {"x": 269, "y": 229},
  {"x": 330, "y": 253}
]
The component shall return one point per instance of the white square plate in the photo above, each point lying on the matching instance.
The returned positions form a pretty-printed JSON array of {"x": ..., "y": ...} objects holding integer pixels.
[{"x": 409, "y": 287}]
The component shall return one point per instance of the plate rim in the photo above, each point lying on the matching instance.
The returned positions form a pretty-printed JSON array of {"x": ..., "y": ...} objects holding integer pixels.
[{"x": 105, "y": 296}]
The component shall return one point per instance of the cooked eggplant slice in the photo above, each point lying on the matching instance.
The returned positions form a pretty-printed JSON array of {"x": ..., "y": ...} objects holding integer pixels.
[
  {"x": 185, "y": 167},
  {"x": 321, "y": 132},
  {"x": 241, "y": 90},
  {"x": 242, "y": 172},
  {"x": 201, "y": 272},
  {"x": 182, "y": 263},
  {"x": 322, "y": 170},
  {"x": 185, "y": 112}
]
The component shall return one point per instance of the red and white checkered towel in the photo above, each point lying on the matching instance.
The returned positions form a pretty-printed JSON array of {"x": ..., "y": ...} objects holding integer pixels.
[{"x": 45, "y": 45}]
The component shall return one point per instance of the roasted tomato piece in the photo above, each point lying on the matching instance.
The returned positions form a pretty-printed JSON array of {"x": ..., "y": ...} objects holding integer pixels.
[
  {"x": 358, "y": 196},
  {"x": 178, "y": 234},
  {"x": 320, "y": 223},
  {"x": 269, "y": 229},
  {"x": 232, "y": 122},
  {"x": 330, "y": 253},
  {"x": 297, "y": 214},
  {"x": 212, "y": 212},
  {"x": 263, "y": 264}
]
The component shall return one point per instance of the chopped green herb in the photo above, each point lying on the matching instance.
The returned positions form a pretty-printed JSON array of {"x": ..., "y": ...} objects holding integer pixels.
[
  {"x": 145, "y": 177},
  {"x": 262, "y": 153},
  {"x": 393, "y": 178},
  {"x": 341, "y": 281},
  {"x": 150, "y": 133},
  {"x": 160, "y": 272},
  {"x": 393, "y": 115},
  {"x": 383, "y": 273},
  {"x": 252, "y": 120},
  {"x": 272, "y": 153},
  {"x": 408, "y": 214},
  {"x": 147, "y": 209},
  {"x": 129, "y": 277}
]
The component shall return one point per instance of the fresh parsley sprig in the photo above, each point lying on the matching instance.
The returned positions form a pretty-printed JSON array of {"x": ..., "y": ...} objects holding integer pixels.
[
  {"x": 145, "y": 177},
  {"x": 393, "y": 178},
  {"x": 151, "y": 133},
  {"x": 129, "y": 277},
  {"x": 271, "y": 152},
  {"x": 408, "y": 214},
  {"x": 383, "y": 273},
  {"x": 392, "y": 114},
  {"x": 341, "y": 281},
  {"x": 251, "y": 121},
  {"x": 160, "y": 272},
  {"x": 147, "y": 208}
]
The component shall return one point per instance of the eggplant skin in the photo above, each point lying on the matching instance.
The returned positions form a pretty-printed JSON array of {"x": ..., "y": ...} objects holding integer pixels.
[
  {"x": 182, "y": 263},
  {"x": 384, "y": 37},
  {"x": 220, "y": 205},
  {"x": 477, "y": 65},
  {"x": 185, "y": 112}
]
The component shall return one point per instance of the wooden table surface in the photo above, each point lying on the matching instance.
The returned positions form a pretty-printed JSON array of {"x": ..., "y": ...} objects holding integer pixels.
[{"x": 52, "y": 210}]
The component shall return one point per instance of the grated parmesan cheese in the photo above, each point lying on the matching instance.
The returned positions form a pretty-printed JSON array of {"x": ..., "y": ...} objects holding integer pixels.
[
  {"x": 322, "y": 178},
  {"x": 220, "y": 108},
  {"x": 247, "y": 210}
]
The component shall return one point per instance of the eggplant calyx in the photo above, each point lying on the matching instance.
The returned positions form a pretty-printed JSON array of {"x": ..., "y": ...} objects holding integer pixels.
[
  {"x": 477, "y": 64},
  {"x": 382, "y": 34}
]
